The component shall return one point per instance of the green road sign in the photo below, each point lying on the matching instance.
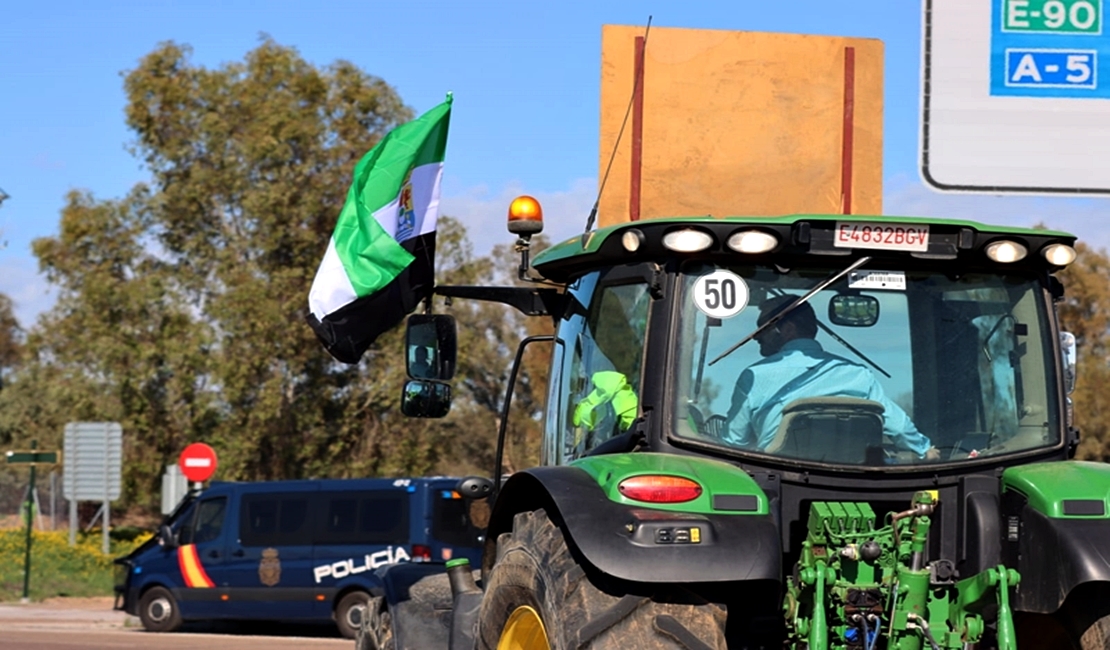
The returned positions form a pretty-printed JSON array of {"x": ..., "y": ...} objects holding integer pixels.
[
  {"x": 43, "y": 457},
  {"x": 1070, "y": 17}
]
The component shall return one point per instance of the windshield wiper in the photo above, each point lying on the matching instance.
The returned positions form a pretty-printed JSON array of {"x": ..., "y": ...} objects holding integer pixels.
[{"x": 794, "y": 305}]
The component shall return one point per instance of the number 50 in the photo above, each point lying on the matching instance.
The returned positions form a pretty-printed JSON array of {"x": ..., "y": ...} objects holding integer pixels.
[{"x": 723, "y": 297}]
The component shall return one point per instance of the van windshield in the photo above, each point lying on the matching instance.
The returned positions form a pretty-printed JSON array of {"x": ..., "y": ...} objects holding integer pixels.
[{"x": 881, "y": 367}]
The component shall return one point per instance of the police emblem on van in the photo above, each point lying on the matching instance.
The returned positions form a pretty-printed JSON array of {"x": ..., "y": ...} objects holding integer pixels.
[{"x": 269, "y": 569}]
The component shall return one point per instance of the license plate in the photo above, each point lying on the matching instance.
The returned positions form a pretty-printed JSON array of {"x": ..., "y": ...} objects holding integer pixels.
[{"x": 891, "y": 237}]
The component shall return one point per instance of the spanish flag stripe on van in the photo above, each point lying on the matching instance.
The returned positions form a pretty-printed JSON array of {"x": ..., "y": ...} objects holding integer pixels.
[{"x": 192, "y": 571}]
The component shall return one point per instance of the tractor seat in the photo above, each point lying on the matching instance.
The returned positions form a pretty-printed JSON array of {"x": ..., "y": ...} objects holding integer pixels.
[{"x": 840, "y": 430}]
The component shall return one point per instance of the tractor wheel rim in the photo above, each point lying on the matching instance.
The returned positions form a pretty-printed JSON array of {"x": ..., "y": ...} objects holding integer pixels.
[{"x": 524, "y": 631}]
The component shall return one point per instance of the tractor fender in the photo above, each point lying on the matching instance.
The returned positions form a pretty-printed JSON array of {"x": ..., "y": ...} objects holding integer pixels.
[
  {"x": 1058, "y": 555},
  {"x": 1057, "y": 530},
  {"x": 623, "y": 541}
]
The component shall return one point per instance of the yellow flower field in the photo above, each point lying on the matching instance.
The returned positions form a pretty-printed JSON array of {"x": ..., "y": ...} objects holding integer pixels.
[{"x": 57, "y": 569}]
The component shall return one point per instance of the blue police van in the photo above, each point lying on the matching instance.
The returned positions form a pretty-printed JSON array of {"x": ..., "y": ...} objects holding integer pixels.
[{"x": 291, "y": 550}]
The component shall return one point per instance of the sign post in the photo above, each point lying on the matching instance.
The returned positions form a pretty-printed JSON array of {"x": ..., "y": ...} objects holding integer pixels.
[
  {"x": 32, "y": 458},
  {"x": 198, "y": 462}
]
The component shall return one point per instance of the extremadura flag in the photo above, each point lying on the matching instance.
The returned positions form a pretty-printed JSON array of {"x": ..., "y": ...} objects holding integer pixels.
[{"x": 380, "y": 261}]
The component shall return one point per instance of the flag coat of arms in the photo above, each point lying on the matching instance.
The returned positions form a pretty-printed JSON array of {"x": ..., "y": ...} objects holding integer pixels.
[{"x": 380, "y": 261}]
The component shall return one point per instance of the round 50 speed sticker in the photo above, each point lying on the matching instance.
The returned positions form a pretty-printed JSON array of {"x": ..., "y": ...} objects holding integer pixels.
[{"x": 721, "y": 294}]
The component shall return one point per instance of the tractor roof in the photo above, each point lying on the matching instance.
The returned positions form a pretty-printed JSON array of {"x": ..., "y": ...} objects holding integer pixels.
[{"x": 601, "y": 246}]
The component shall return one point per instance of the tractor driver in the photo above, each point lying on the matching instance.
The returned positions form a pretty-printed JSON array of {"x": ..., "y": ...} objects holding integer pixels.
[
  {"x": 421, "y": 366},
  {"x": 796, "y": 366}
]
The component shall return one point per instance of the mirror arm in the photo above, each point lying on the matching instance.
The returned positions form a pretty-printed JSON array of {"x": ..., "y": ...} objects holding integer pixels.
[
  {"x": 504, "y": 425},
  {"x": 529, "y": 301}
]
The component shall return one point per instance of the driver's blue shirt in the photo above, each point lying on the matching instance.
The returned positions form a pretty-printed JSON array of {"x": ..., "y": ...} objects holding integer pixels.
[{"x": 803, "y": 369}]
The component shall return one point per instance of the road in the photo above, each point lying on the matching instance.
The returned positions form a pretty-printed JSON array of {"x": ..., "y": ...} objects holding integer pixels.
[{"x": 90, "y": 623}]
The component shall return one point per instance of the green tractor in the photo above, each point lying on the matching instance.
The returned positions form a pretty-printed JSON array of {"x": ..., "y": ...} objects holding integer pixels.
[{"x": 815, "y": 431}]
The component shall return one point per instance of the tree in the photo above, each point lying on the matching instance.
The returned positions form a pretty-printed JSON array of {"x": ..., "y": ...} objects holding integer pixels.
[
  {"x": 10, "y": 337},
  {"x": 1085, "y": 312},
  {"x": 181, "y": 306},
  {"x": 180, "y": 309},
  {"x": 250, "y": 164}
]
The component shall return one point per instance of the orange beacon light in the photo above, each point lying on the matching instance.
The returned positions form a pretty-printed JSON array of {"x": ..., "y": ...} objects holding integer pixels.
[{"x": 525, "y": 216}]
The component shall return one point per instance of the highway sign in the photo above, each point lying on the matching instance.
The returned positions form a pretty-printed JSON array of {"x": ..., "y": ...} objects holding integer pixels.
[
  {"x": 1048, "y": 48},
  {"x": 1067, "y": 17},
  {"x": 93, "y": 461},
  {"x": 1014, "y": 96},
  {"x": 198, "y": 462}
]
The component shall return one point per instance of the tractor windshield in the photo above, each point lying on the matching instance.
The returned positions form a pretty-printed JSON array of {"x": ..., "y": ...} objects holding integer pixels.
[{"x": 880, "y": 367}]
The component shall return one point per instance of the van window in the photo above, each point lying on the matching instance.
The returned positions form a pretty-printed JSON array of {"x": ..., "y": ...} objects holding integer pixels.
[
  {"x": 183, "y": 524},
  {"x": 274, "y": 520},
  {"x": 367, "y": 518},
  {"x": 451, "y": 523},
  {"x": 210, "y": 519}
]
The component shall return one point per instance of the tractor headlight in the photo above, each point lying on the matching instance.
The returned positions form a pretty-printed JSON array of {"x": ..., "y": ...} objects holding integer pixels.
[
  {"x": 687, "y": 240},
  {"x": 1059, "y": 254},
  {"x": 1006, "y": 251},
  {"x": 752, "y": 241},
  {"x": 631, "y": 240}
]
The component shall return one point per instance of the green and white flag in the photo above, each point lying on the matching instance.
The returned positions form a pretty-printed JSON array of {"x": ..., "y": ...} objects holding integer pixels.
[{"x": 380, "y": 261}]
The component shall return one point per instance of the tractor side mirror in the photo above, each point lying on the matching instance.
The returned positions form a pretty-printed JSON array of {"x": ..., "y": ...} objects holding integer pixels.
[
  {"x": 854, "y": 310},
  {"x": 1068, "y": 354},
  {"x": 425, "y": 399},
  {"x": 430, "y": 347},
  {"x": 475, "y": 487}
]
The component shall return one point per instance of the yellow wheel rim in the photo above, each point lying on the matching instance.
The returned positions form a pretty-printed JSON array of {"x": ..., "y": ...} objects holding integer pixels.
[{"x": 524, "y": 631}]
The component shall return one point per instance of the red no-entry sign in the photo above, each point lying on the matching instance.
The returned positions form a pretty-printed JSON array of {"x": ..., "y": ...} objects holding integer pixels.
[{"x": 197, "y": 462}]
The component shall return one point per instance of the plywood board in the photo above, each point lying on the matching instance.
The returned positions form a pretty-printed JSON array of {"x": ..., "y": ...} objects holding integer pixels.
[{"x": 740, "y": 123}]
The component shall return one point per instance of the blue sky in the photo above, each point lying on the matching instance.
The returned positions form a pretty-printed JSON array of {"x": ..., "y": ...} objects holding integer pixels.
[{"x": 525, "y": 77}]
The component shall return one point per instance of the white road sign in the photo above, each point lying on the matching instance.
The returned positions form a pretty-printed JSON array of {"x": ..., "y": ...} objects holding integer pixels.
[
  {"x": 92, "y": 461},
  {"x": 1016, "y": 96}
]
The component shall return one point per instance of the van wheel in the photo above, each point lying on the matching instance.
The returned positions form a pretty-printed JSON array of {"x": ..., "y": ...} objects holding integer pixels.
[
  {"x": 158, "y": 611},
  {"x": 350, "y": 612},
  {"x": 376, "y": 631},
  {"x": 539, "y": 597}
]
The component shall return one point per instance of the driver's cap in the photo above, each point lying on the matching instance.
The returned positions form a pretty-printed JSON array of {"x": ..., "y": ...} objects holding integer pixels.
[{"x": 772, "y": 307}]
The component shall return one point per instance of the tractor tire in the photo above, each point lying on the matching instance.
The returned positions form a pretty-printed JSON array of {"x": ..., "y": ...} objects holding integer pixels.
[
  {"x": 539, "y": 597},
  {"x": 158, "y": 610},
  {"x": 376, "y": 631},
  {"x": 351, "y": 612},
  {"x": 1097, "y": 636},
  {"x": 1049, "y": 631}
]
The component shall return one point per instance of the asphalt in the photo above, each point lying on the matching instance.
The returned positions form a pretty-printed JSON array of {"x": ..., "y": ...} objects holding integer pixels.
[{"x": 86, "y": 623}]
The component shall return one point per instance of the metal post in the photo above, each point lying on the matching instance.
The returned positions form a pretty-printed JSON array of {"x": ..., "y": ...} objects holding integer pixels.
[
  {"x": 104, "y": 527},
  {"x": 104, "y": 521},
  {"x": 38, "y": 506},
  {"x": 72, "y": 522},
  {"x": 53, "y": 499},
  {"x": 29, "y": 504}
]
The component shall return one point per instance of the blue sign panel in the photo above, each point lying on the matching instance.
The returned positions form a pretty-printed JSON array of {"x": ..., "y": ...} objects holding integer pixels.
[
  {"x": 1049, "y": 48},
  {"x": 1027, "y": 68}
]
